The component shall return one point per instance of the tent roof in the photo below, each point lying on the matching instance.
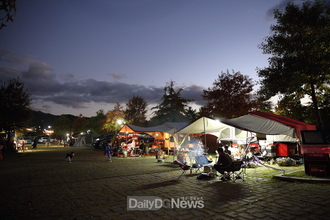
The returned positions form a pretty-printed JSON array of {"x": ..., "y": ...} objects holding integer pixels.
[
  {"x": 269, "y": 123},
  {"x": 201, "y": 125},
  {"x": 168, "y": 127}
]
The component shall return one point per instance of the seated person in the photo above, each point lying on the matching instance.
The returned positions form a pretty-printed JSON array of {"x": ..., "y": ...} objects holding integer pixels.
[
  {"x": 161, "y": 155},
  {"x": 224, "y": 161},
  {"x": 227, "y": 151}
]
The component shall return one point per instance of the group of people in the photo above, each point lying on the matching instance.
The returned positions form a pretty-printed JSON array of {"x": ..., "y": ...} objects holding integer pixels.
[{"x": 224, "y": 159}]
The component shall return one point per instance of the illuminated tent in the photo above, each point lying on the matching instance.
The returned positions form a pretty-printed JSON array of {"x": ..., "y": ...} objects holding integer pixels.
[
  {"x": 210, "y": 126},
  {"x": 269, "y": 124},
  {"x": 168, "y": 127},
  {"x": 162, "y": 132},
  {"x": 206, "y": 125}
]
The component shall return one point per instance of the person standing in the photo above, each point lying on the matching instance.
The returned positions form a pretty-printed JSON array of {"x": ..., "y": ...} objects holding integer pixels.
[
  {"x": 108, "y": 151},
  {"x": 48, "y": 142},
  {"x": 35, "y": 142}
]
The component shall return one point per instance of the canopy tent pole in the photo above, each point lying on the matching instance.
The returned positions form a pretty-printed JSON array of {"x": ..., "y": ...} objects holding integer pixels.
[{"x": 205, "y": 145}]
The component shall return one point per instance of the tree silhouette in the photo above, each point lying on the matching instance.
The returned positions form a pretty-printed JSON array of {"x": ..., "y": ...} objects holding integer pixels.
[
  {"x": 231, "y": 96},
  {"x": 300, "y": 52},
  {"x": 15, "y": 106},
  {"x": 173, "y": 107},
  {"x": 112, "y": 118},
  {"x": 79, "y": 124},
  {"x": 136, "y": 109},
  {"x": 96, "y": 123},
  {"x": 8, "y": 7},
  {"x": 62, "y": 126}
]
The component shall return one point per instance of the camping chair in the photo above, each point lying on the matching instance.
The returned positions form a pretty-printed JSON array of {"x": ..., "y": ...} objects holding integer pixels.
[
  {"x": 201, "y": 161},
  {"x": 234, "y": 171},
  {"x": 184, "y": 167}
]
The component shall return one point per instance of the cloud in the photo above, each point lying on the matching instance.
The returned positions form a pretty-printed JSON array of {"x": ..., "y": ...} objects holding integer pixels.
[
  {"x": 194, "y": 92},
  {"x": 39, "y": 71},
  {"x": 66, "y": 77},
  {"x": 46, "y": 107},
  {"x": 117, "y": 76},
  {"x": 44, "y": 86},
  {"x": 8, "y": 73},
  {"x": 12, "y": 57},
  {"x": 72, "y": 101}
]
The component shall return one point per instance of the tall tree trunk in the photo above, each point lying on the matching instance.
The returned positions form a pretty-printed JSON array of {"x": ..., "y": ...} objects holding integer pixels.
[{"x": 316, "y": 109}]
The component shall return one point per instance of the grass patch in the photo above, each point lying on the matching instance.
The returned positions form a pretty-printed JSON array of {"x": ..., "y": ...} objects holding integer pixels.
[
  {"x": 300, "y": 174},
  {"x": 268, "y": 173}
]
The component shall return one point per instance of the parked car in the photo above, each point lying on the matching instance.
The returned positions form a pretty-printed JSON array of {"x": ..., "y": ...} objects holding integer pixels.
[
  {"x": 43, "y": 139},
  {"x": 101, "y": 141},
  {"x": 26, "y": 140}
]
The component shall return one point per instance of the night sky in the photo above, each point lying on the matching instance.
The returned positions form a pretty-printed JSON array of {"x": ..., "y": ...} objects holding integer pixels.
[{"x": 80, "y": 56}]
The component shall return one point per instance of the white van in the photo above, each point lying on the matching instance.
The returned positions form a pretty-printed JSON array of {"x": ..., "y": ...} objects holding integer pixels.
[{"x": 43, "y": 139}]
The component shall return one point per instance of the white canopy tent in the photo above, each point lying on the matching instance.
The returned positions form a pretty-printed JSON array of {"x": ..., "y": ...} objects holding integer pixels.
[
  {"x": 269, "y": 124},
  {"x": 260, "y": 125},
  {"x": 205, "y": 125}
]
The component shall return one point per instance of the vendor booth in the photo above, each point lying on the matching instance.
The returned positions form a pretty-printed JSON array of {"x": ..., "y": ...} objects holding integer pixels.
[{"x": 162, "y": 135}]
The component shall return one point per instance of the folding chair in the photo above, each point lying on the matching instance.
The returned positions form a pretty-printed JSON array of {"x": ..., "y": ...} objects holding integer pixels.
[
  {"x": 234, "y": 171},
  {"x": 184, "y": 167},
  {"x": 201, "y": 161}
]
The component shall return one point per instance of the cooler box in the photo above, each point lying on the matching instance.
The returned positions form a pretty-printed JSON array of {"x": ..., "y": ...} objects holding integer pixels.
[{"x": 286, "y": 149}]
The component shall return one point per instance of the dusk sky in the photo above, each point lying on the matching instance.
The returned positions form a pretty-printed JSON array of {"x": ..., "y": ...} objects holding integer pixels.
[{"x": 80, "y": 56}]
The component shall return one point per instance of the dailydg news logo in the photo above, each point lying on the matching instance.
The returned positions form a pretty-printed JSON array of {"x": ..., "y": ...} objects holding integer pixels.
[{"x": 156, "y": 203}]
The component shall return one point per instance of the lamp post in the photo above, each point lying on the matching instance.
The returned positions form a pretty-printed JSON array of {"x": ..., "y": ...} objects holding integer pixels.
[
  {"x": 119, "y": 123},
  {"x": 67, "y": 138}
]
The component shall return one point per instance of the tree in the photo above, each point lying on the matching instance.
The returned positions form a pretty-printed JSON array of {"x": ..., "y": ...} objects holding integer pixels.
[
  {"x": 112, "y": 118},
  {"x": 96, "y": 123},
  {"x": 231, "y": 96},
  {"x": 136, "y": 109},
  {"x": 324, "y": 108},
  {"x": 15, "y": 106},
  {"x": 290, "y": 106},
  {"x": 300, "y": 52},
  {"x": 173, "y": 107},
  {"x": 9, "y": 8},
  {"x": 62, "y": 126},
  {"x": 191, "y": 114},
  {"x": 79, "y": 124}
]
